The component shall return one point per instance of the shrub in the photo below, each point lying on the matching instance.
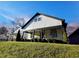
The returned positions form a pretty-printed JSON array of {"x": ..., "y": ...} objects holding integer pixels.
[{"x": 18, "y": 38}]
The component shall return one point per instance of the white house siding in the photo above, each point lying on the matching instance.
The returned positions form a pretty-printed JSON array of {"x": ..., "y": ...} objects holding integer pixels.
[
  {"x": 44, "y": 22},
  {"x": 27, "y": 36}
]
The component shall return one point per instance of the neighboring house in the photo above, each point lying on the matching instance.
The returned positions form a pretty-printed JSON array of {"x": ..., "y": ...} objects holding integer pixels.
[
  {"x": 74, "y": 37},
  {"x": 42, "y": 26},
  {"x": 70, "y": 29}
]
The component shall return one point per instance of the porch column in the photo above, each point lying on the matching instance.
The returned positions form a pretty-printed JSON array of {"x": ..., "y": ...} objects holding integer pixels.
[
  {"x": 22, "y": 36},
  {"x": 41, "y": 35},
  {"x": 33, "y": 33},
  {"x": 31, "y": 36}
]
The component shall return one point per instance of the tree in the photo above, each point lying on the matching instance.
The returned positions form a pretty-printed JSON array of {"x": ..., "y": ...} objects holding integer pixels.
[
  {"x": 18, "y": 38},
  {"x": 3, "y": 33},
  {"x": 3, "y": 30},
  {"x": 20, "y": 21}
]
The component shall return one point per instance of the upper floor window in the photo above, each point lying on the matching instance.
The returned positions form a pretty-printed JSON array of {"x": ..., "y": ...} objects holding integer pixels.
[{"x": 37, "y": 19}]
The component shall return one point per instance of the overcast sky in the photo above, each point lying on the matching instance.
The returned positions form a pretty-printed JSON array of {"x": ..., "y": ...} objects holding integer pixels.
[{"x": 65, "y": 10}]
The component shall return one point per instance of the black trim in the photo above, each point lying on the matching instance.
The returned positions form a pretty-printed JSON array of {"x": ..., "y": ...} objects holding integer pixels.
[
  {"x": 52, "y": 17},
  {"x": 42, "y": 14}
]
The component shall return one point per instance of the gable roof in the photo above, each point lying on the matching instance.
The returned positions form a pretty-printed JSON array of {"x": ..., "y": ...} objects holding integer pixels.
[
  {"x": 74, "y": 32},
  {"x": 44, "y": 15}
]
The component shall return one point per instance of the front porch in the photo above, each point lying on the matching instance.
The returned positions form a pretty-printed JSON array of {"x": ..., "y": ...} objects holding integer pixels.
[{"x": 45, "y": 34}]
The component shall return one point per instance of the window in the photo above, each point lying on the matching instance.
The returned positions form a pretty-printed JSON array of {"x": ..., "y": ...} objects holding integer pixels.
[
  {"x": 35, "y": 20},
  {"x": 53, "y": 33},
  {"x": 39, "y": 19}
]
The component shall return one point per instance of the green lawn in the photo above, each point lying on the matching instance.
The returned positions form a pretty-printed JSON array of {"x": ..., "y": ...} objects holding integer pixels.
[{"x": 37, "y": 50}]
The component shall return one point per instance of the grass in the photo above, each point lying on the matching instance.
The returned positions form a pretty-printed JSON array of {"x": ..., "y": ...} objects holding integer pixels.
[{"x": 37, "y": 50}]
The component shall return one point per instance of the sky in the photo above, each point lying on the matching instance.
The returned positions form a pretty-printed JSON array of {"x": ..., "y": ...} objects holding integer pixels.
[{"x": 66, "y": 10}]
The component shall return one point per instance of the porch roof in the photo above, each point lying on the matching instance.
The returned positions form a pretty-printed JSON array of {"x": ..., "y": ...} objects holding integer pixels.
[{"x": 46, "y": 28}]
